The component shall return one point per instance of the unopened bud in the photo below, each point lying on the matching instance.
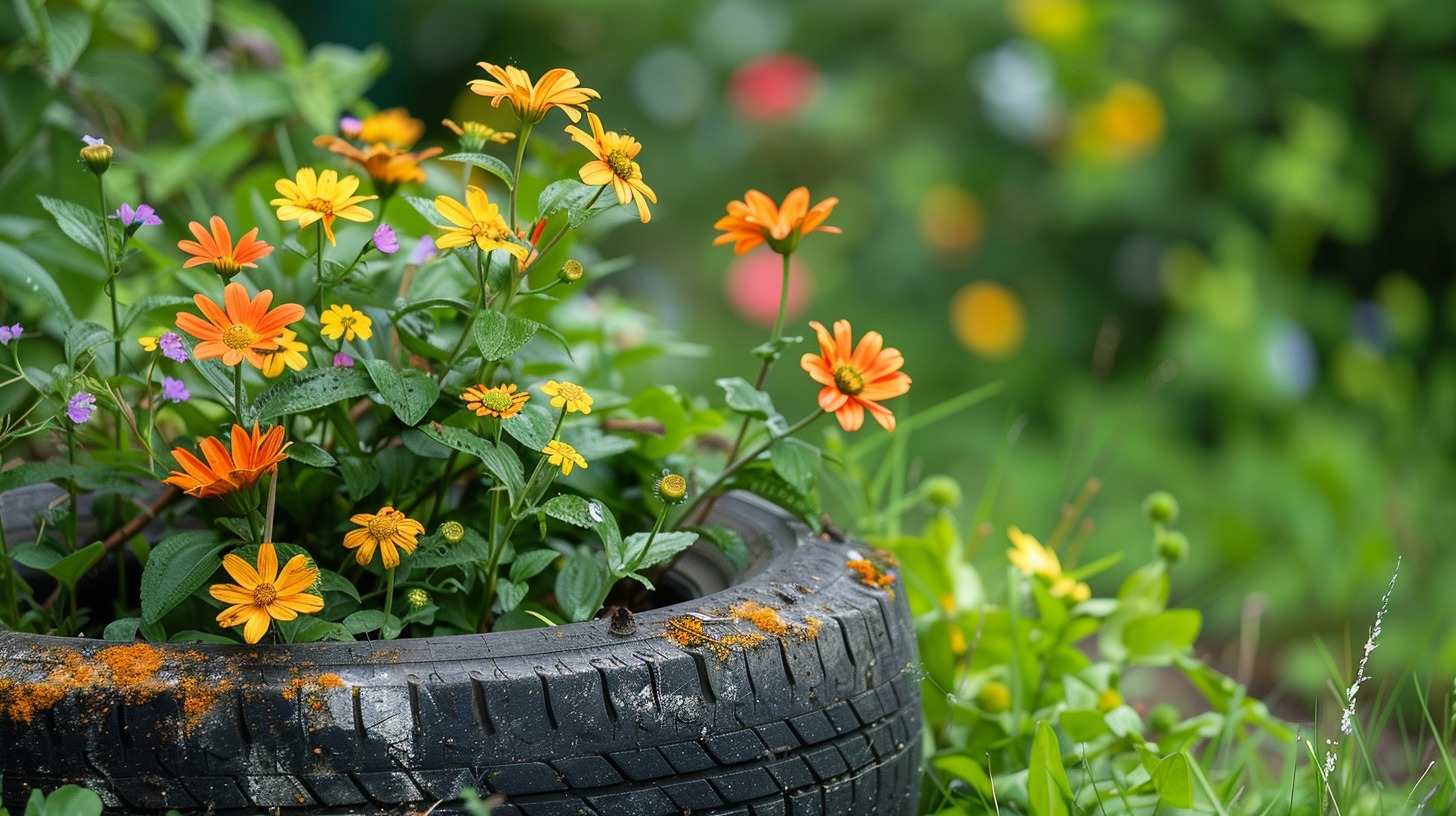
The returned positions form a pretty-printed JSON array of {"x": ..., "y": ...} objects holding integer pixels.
[
  {"x": 1164, "y": 718},
  {"x": 417, "y": 598},
  {"x": 452, "y": 531},
  {"x": 1160, "y": 507},
  {"x": 1171, "y": 546},
  {"x": 943, "y": 492},
  {"x": 96, "y": 154},
  {"x": 672, "y": 488},
  {"x": 994, "y": 697},
  {"x": 1108, "y": 700},
  {"x": 571, "y": 271}
]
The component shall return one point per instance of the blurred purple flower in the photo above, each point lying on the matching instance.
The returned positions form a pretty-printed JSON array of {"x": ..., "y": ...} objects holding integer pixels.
[
  {"x": 171, "y": 345},
  {"x": 8, "y": 333},
  {"x": 175, "y": 390},
  {"x": 423, "y": 251},
  {"x": 92, "y": 141},
  {"x": 342, "y": 360},
  {"x": 143, "y": 215},
  {"x": 385, "y": 240},
  {"x": 80, "y": 407},
  {"x": 350, "y": 126}
]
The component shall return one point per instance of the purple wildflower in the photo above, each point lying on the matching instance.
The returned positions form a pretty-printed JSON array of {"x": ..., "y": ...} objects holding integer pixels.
[
  {"x": 171, "y": 345},
  {"x": 350, "y": 126},
  {"x": 385, "y": 240},
  {"x": 8, "y": 333},
  {"x": 342, "y": 360},
  {"x": 175, "y": 390},
  {"x": 80, "y": 407},
  {"x": 423, "y": 251},
  {"x": 142, "y": 216},
  {"x": 92, "y": 141}
]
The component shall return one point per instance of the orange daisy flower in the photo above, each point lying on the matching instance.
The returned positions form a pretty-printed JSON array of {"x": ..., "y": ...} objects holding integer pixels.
[
  {"x": 615, "y": 164},
  {"x": 855, "y": 381},
  {"x": 246, "y": 328},
  {"x": 385, "y": 531},
  {"x": 502, "y": 401},
  {"x": 388, "y": 166},
  {"x": 756, "y": 219},
  {"x": 253, "y": 454},
  {"x": 217, "y": 248},
  {"x": 557, "y": 88},
  {"x": 393, "y": 127},
  {"x": 263, "y": 595}
]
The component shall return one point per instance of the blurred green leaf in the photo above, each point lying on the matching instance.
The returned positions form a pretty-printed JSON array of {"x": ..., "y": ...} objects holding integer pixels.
[
  {"x": 796, "y": 461},
  {"x": 1156, "y": 639},
  {"x": 1174, "y": 780},
  {"x": 1047, "y": 787},
  {"x": 190, "y": 20}
]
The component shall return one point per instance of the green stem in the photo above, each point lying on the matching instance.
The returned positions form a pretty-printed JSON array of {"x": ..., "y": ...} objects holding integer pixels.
[
  {"x": 113, "y": 269},
  {"x": 778, "y": 329},
  {"x": 238, "y": 392},
  {"x": 516, "y": 174},
  {"x": 647, "y": 545},
  {"x": 388, "y": 594},
  {"x": 319, "y": 265},
  {"x": 483, "y": 270},
  {"x": 736, "y": 465}
]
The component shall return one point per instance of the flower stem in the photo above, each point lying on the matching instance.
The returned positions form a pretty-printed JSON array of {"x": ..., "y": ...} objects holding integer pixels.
[
  {"x": 238, "y": 392},
  {"x": 516, "y": 174},
  {"x": 736, "y": 465},
  {"x": 483, "y": 270},
  {"x": 388, "y": 594},
  {"x": 778, "y": 329},
  {"x": 319, "y": 265},
  {"x": 272, "y": 500},
  {"x": 113, "y": 268}
]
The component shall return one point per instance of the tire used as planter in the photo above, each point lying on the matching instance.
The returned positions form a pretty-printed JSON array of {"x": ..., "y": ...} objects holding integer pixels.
[{"x": 792, "y": 691}]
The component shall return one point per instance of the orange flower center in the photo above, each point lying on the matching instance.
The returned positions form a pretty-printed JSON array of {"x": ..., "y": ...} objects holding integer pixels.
[
  {"x": 238, "y": 337},
  {"x": 319, "y": 205},
  {"x": 382, "y": 528},
  {"x": 619, "y": 162},
  {"x": 264, "y": 594},
  {"x": 848, "y": 380}
]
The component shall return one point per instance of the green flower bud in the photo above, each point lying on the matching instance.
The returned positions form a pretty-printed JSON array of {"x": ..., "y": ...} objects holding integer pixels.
[
  {"x": 1160, "y": 507},
  {"x": 571, "y": 271},
  {"x": 1171, "y": 546},
  {"x": 1164, "y": 718},
  {"x": 97, "y": 156},
  {"x": 452, "y": 531},
  {"x": 417, "y": 598},
  {"x": 942, "y": 492},
  {"x": 1108, "y": 700},
  {"x": 994, "y": 697}
]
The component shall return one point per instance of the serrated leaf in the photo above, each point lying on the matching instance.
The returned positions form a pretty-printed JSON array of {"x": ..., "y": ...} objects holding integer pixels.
[
  {"x": 582, "y": 586},
  {"x": 177, "y": 567},
  {"x": 498, "y": 460},
  {"x": 486, "y": 162},
  {"x": 435, "y": 551},
  {"x": 636, "y": 554},
  {"x": 21, "y": 274},
  {"x": 593, "y": 444},
  {"x": 190, "y": 20},
  {"x": 82, "y": 337},
  {"x": 509, "y": 594},
  {"x": 423, "y": 206},
  {"x": 796, "y": 461},
  {"x": 531, "y": 426},
  {"x": 499, "y": 336},
  {"x": 309, "y": 629},
  {"x": 745, "y": 399},
  {"x": 365, "y": 620},
  {"x": 69, "y": 569},
  {"x": 410, "y": 393},
  {"x": 528, "y": 565},
  {"x": 80, "y": 224},
  {"x": 769, "y": 485},
  {"x": 573, "y": 197},
  {"x": 310, "y": 390},
  {"x": 588, "y": 513},
  {"x": 29, "y": 473}
]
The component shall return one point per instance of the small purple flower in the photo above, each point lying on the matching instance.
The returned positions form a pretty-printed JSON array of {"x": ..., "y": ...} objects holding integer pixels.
[
  {"x": 92, "y": 141},
  {"x": 175, "y": 390},
  {"x": 80, "y": 407},
  {"x": 171, "y": 345},
  {"x": 8, "y": 333},
  {"x": 342, "y": 360},
  {"x": 423, "y": 251},
  {"x": 143, "y": 215},
  {"x": 350, "y": 126},
  {"x": 385, "y": 240}
]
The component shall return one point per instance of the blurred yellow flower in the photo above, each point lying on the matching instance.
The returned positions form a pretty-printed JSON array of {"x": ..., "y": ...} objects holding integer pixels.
[
  {"x": 393, "y": 127},
  {"x": 343, "y": 319},
  {"x": 557, "y": 88},
  {"x": 387, "y": 166},
  {"x": 479, "y": 223},
  {"x": 988, "y": 319},
  {"x": 568, "y": 395},
  {"x": 474, "y": 136},
  {"x": 310, "y": 197},
  {"x": 1126, "y": 123},
  {"x": 1032, "y": 558},
  {"x": 615, "y": 165},
  {"x": 563, "y": 456},
  {"x": 950, "y": 218},
  {"x": 1050, "y": 21}
]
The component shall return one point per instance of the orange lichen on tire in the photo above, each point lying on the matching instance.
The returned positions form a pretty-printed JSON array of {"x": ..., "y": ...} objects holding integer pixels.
[
  {"x": 330, "y": 681},
  {"x": 687, "y": 631},
  {"x": 131, "y": 664},
  {"x": 769, "y": 621},
  {"x": 872, "y": 576}
]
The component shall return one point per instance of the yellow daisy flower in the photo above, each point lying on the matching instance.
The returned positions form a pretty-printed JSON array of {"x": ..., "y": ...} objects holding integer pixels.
[
  {"x": 563, "y": 456},
  {"x": 311, "y": 197},
  {"x": 386, "y": 530},
  {"x": 502, "y": 401},
  {"x": 289, "y": 353},
  {"x": 479, "y": 223},
  {"x": 557, "y": 88},
  {"x": 263, "y": 594},
  {"x": 615, "y": 165},
  {"x": 1032, "y": 558},
  {"x": 474, "y": 135},
  {"x": 569, "y": 395},
  {"x": 343, "y": 319}
]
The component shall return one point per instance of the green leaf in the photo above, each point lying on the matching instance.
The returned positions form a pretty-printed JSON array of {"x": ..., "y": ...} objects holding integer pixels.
[
  {"x": 1173, "y": 779},
  {"x": 70, "y": 800},
  {"x": 21, "y": 274},
  {"x": 213, "y": 371},
  {"x": 745, "y": 399},
  {"x": 365, "y": 620},
  {"x": 361, "y": 476},
  {"x": 499, "y": 336},
  {"x": 149, "y": 304},
  {"x": 796, "y": 461},
  {"x": 178, "y": 566},
  {"x": 573, "y": 197},
  {"x": 188, "y": 19},
  {"x": 528, "y": 565},
  {"x": 410, "y": 393},
  {"x": 489, "y": 164},
  {"x": 509, "y": 594},
  {"x": 531, "y": 426},
  {"x": 593, "y": 444},
  {"x": 122, "y": 630},
  {"x": 310, "y": 454},
  {"x": 1156, "y": 639},
  {"x": 310, "y": 390},
  {"x": 588, "y": 513},
  {"x": 769, "y": 485},
  {"x": 80, "y": 224},
  {"x": 582, "y": 586},
  {"x": 82, "y": 337},
  {"x": 70, "y": 33},
  {"x": 29, "y": 473},
  {"x": 220, "y": 103},
  {"x": 309, "y": 629},
  {"x": 69, "y": 570},
  {"x": 330, "y": 581},
  {"x": 664, "y": 546},
  {"x": 426, "y": 208},
  {"x": 1083, "y": 725},
  {"x": 498, "y": 460},
  {"x": 435, "y": 551},
  {"x": 1047, "y": 787}
]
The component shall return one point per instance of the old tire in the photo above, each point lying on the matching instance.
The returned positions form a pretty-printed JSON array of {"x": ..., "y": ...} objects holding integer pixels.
[{"x": 818, "y": 719}]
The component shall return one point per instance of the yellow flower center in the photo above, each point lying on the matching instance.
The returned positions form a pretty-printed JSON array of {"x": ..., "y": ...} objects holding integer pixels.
[
  {"x": 319, "y": 205},
  {"x": 848, "y": 380},
  {"x": 571, "y": 392},
  {"x": 673, "y": 487},
  {"x": 226, "y": 266},
  {"x": 238, "y": 336},
  {"x": 264, "y": 594},
  {"x": 382, "y": 528},
  {"x": 496, "y": 401},
  {"x": 620, "y": 163}
]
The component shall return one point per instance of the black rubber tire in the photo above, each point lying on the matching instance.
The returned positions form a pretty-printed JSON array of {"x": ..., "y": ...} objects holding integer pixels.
[{"x": 571, "y": 720}]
